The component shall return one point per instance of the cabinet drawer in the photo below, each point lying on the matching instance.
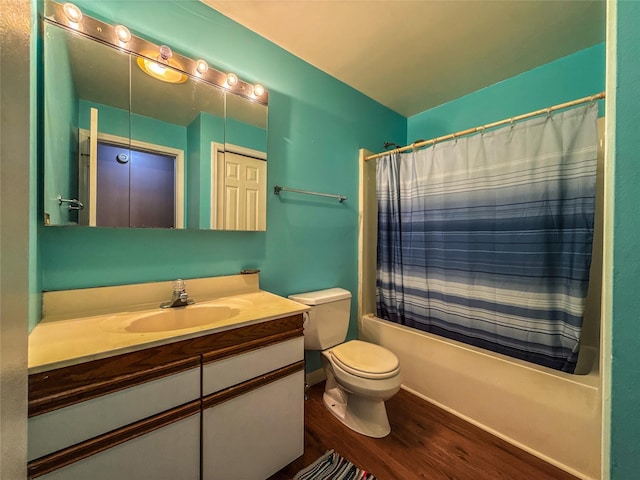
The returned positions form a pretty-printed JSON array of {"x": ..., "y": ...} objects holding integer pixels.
[
  {"x": 233, "y": 370},
  {"x": 68, "y": 426},
  {"x": 168, "y": 453}
]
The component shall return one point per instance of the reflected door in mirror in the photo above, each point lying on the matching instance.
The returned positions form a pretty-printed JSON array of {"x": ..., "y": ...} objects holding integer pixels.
[
  {"x": 239, "y": 188},
  {"x": 134, "y": 189},
  {"x": 245, "y": 192}
]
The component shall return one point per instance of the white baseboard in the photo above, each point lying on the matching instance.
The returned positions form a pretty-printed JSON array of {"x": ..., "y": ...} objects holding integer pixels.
[{"x": 316, "y": 376}]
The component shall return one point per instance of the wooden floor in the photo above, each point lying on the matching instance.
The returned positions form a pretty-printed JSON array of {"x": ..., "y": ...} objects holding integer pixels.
[{"x": 425, "y": 443}]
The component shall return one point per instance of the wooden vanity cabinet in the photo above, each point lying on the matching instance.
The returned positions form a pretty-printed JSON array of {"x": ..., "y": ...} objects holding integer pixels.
[{"x": 143, "y": 414}]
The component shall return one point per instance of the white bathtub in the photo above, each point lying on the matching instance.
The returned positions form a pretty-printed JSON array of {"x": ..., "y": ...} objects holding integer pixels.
[{"x": 553, "y": 415}]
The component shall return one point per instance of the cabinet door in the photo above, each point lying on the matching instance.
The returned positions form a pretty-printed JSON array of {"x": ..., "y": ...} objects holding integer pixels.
[
  {"x": 252, "y": 436},
  {"x": 168, "y": 453},
  {"x": 76, "y": 423}
]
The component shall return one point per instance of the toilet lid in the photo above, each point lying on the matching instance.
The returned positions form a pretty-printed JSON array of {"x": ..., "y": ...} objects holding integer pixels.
[{"x": 365, "y": 359}]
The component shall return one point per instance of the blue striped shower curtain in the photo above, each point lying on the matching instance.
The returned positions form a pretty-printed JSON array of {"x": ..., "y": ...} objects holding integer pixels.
[{"x": 487, "y": 239}]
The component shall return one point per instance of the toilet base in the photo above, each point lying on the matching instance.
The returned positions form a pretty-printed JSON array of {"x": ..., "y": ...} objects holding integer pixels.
[{"x": 363, "y": 415}]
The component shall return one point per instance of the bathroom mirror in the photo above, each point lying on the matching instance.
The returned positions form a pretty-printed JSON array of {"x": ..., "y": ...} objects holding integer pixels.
[{"x": 125, "y": 149}]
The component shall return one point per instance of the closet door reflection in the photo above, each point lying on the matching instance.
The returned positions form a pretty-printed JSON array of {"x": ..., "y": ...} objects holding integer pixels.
[
  {"x": 241, "y": 183},
  {"x": 244, "y": 187}
]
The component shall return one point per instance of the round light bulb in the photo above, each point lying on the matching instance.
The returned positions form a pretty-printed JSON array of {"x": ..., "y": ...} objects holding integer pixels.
[
  {"x": 202, "y": 67},
  {"x": 160, "y": 70},
  {"x": 72, "y": 12},
  {"x": 232, "y": 79},
  {"x": 156, "y": 68},
  {"x": 123, "y": 33},
  {"x": 165, "y": 52},
  {"x": 258, "y": 90}
]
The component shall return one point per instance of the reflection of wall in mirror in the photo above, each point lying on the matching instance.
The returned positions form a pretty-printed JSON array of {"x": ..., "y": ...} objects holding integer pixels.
[
  {"x": 203, "y": 128},
  {"x": 249, "y": 136},
  {"x": 61, "y": 129},
  {"x": 115, "y": 121}
]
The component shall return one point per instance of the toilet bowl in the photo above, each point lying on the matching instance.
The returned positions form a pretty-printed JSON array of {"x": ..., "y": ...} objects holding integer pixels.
[
  {"x": 355, "y": 392},
  {"x": 361, "y": 376}
]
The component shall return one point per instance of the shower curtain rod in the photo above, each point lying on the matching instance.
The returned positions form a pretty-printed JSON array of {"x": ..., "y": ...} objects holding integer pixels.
[{"x": 433, "y": 141}]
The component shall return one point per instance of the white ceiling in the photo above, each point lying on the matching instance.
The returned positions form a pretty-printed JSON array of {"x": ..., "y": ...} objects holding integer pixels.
[{"x": 414, "y": 55}]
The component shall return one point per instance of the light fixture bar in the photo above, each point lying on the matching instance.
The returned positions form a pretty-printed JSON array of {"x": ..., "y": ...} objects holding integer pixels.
[{"x": 107, "y": 34}]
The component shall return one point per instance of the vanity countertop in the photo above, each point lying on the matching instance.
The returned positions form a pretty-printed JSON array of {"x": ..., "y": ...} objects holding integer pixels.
[{"x": 68, "y": 341}]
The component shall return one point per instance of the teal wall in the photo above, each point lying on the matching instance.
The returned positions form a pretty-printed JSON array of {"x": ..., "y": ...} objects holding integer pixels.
[
  {"x": 625, "y": 378},
  {"x": 316, "y": 127},
  {"x": 575, "y": 76}
]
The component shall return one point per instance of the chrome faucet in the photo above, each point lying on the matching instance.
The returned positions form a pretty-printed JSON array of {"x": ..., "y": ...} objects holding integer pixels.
[{"x": 179, "y": 298}]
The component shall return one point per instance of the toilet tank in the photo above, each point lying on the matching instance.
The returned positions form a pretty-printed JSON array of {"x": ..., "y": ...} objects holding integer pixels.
[{"x": 328, "y": 319}]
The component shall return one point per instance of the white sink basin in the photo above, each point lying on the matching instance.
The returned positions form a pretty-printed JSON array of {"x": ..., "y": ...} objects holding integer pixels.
[{"x": 180, "y": 318}]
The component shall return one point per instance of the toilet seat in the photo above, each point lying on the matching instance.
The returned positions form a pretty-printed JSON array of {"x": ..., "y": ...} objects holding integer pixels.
[{"x": 365, "y": 360}]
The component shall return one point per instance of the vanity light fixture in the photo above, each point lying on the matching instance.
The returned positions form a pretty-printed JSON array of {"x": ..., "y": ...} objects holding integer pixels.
[
  {"x": 161, "y": 72},
  {"x": 160, "y": 69},
  {"x": 202, "y": 67},
  {"x": 123, "y": 33},
  {"x": 157, "y": 61},
  {"x": 232, "y": 79},
  {"x": 258, "y": 90},
  {"x": 73, "y": 13}
]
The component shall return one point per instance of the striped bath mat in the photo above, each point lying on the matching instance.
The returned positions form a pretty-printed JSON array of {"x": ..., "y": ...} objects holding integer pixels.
[{"x": 332, "y": 466}]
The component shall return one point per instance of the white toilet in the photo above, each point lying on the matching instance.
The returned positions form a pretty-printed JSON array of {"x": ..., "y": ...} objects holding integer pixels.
[{"x": 360, "y": 376}]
